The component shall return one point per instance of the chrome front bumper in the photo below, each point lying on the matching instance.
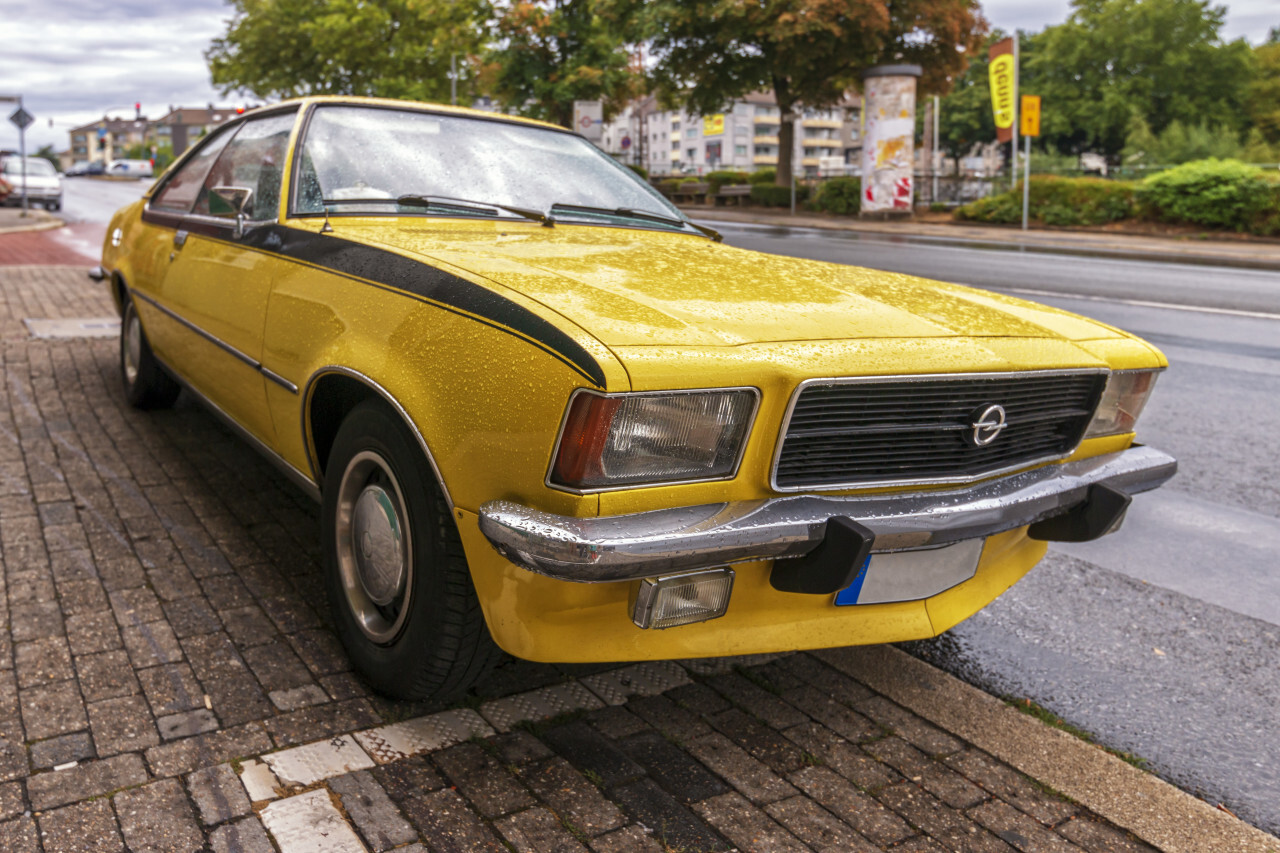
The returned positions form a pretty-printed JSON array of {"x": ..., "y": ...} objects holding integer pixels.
[{"x": 626, "y": 547}]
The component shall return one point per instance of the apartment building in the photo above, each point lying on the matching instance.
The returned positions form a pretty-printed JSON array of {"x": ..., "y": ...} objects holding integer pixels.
[{"x": 744, "y": 137}]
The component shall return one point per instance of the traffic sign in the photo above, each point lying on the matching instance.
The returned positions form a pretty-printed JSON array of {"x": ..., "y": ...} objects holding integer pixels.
[
  {"x": 21, "y": 118},
  {"x": 1030, "y": 115}
]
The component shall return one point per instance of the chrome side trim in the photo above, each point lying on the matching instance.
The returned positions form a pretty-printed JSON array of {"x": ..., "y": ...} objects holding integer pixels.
[
  {"x": 218, "y": 342},
  {"x": 923, "y": 377},
  {"x": 298, "y": 478},
  {"x": 626, "y": 547},
  {"x": 390, "y": 400},
  {"x": 564, "y": 422},
  {"x": 279, "y": 380}
]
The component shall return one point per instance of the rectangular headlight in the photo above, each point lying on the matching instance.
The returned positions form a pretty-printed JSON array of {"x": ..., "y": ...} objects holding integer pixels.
[
  {"x": 611, "y": 440},
  {"x": 1122, "y": 401}
]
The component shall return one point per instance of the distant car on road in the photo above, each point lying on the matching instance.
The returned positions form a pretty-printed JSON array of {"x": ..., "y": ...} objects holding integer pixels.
[
  {"x": 542, "y": 408},
  {"x": 130, "y": 168},
  {"x": 86, "y": 167},
  {"x": 43, "y": 182}
]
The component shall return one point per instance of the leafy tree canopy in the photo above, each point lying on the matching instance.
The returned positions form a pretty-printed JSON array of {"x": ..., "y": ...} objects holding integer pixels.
[
  {"x": 1264, "y": 90},
  {"x": 807, "y": 52},
  {"x": 384, "y": 48},
  {"x": 1162, "y": 60},
  {"x": 555, "y": 52}
]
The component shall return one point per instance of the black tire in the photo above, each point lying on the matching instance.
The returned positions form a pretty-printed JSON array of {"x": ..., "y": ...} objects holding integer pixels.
[
  {"x": 146, "y": 385},
  {"x": 403, "y": 601}
]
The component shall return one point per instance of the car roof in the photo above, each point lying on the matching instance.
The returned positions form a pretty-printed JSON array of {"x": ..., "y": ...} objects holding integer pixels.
[{"x": 427, "y": 106}]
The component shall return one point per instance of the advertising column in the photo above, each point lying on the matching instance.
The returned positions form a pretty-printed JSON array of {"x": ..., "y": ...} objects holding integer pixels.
[{"x": 888, "y": 139}]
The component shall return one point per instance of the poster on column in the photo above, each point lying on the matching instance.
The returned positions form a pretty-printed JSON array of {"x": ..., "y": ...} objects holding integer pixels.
[{"x": 888, "y": 142}]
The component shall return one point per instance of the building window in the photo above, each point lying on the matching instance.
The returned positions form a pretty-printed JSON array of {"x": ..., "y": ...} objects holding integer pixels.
[{"x": 740, "y": 151}]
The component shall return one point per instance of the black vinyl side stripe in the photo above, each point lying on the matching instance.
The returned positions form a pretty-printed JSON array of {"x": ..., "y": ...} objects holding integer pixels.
[
  {"x": 441, "y": 288},
  {"x": 386, "y": 269}
]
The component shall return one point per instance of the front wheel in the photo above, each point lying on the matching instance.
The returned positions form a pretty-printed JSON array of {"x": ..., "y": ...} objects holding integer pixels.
[
  {"x": 146, "y": 385},
  {"x": 397, "y": 578}
]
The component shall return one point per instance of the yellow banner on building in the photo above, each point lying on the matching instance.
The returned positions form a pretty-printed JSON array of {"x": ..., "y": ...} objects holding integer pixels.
[
  {"x": 1003, "y": 77},
  {"x": 713, "y": 125}
]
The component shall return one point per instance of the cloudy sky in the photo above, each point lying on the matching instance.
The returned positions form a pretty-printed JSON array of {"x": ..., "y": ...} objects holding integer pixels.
[{"x": 73, "y": 60}]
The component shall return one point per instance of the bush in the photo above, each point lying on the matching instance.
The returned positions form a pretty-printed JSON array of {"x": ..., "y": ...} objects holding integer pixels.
[
  {"x": 667, "y": 186},
  {"x": 721, "y": 178},
  {"x": 839, "y": 195},
  {"x": 684, "y": 182},
  {"x": 772, "y": 195},
  {"x": 764, "y": 176},
  {"x": 639, "y": 170},
  {"x": 1058, "y": 201},
  {"x": 1215, "y": 193}
]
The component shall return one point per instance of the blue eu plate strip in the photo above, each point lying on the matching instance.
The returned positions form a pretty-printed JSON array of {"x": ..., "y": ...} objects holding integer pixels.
[{"x": 849, "y": 595}]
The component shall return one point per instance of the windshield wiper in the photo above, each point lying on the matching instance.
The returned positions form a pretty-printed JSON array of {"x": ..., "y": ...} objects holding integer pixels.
[
  {"x": 426, "y": 202},
  {"x": 643, "y": 215},
  {"x": 429, "y": 202}
]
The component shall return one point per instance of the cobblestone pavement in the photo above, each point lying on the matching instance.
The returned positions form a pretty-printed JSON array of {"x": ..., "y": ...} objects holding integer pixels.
[{"x": 169, "y": 681}]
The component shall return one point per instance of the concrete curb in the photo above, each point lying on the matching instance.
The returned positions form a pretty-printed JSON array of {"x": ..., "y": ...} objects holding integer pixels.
[
  {"x": 1077, "y": 243},
  {"x": 41, "y": 221},
  {"x": 1155, "y": 811}
]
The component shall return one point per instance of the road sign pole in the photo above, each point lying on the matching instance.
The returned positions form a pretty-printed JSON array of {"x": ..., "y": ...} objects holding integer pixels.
[
  {"x": 22, "y": 155},
  {"x": 1026, "y": 185}
]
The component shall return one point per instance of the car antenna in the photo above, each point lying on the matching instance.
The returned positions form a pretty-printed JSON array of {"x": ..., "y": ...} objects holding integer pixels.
[{"x": 326, "y": 228}]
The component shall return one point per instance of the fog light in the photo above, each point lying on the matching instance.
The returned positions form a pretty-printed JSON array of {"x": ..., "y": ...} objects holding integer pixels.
[{"x": 682, "y": 599}]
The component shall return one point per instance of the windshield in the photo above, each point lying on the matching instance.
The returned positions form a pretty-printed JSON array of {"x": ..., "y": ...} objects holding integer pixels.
[
  {"x": 35, "y": 167},
  {"x": 381, "y": 155}
]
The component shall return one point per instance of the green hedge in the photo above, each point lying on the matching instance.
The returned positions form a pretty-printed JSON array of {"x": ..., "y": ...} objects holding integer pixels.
[
  {"x": 639, "y": 170},
  {"x": 1220, "y": 194},
  {"x": 764, "y": 176},
  {"x": 839, "y": 195},
  {"x": 772, "y": 195},
  {"x": 1215, "y": 193},
  {"x": 1058, "y": 201},
  {"x": 724, "y": 177}
]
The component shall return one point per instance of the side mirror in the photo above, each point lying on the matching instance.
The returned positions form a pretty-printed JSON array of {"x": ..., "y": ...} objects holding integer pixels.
[{"x": 230, "y": 202}]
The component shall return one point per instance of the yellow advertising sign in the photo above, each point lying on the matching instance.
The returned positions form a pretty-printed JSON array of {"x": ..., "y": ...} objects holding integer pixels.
[
  {"x": 1002, "y": 75},
  {"x": 713, "y": 125},
  {"x": 1030, "y": 125}
]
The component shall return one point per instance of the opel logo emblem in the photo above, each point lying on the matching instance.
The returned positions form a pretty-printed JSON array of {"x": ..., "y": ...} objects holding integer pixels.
[{"x": 987, "y": 425}]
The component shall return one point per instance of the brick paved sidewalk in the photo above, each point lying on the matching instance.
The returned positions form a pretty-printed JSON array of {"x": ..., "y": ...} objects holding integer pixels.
[{"x": 169, "y": 681}]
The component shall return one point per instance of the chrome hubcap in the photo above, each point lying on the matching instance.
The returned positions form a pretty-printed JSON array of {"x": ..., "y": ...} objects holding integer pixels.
[
  {"x": 374, "y": 547},
  {"x": 132, "y": 346}
]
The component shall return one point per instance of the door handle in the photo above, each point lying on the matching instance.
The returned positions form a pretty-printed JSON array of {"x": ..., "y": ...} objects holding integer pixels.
[{"x": 180, "y": 238}]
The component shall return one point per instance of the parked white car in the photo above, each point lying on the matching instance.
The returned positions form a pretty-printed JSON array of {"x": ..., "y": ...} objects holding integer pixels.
[
  {"x": 130, "y": 168},
  {"x": 43, "y": 182}
]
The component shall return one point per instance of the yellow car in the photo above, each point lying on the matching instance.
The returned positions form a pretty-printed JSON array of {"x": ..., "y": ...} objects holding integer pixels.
[{"x": 544, "y": 412}]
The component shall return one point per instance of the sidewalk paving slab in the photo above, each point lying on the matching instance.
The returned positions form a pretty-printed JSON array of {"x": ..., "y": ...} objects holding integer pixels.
[{"x": 153, "y": 568}]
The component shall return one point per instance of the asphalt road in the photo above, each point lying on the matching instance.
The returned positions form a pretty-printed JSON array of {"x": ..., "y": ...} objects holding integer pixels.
[{"x": 1161, "y": 640}]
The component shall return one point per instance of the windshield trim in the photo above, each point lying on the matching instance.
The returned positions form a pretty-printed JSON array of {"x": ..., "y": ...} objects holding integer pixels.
[{"x": 304, "y": 128}]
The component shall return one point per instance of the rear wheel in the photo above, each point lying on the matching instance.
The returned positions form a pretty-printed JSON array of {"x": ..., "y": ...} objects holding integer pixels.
[
  {"x": 398, "y": 581},
  {"x": 146, "y": 385}
]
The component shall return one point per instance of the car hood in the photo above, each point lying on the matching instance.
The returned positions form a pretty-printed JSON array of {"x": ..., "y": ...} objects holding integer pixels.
[{"x": 631, "y": 287}]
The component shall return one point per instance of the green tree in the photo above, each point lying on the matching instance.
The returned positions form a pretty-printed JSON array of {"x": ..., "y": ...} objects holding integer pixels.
[
  {"x": 809, "y": 53},
  {"x": 554, "y": 52},
  {"x": 1162, "y": 60},
  {"x": 1264, "y": 90},
  {"x": 383, "y": 48},
  {"x": 46, "y": 152}
]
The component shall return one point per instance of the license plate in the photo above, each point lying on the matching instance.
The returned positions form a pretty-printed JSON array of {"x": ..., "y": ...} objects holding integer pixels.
[{"x": 912, "y": 575}]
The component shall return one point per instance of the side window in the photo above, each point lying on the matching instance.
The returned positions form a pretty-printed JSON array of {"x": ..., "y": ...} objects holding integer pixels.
[
  {"x": 180, "y": 191},
  {"x": 254, "y": 160}
]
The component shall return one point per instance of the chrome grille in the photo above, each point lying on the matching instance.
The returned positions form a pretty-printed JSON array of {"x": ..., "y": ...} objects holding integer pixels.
[{"x": 899, "y": 430}]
